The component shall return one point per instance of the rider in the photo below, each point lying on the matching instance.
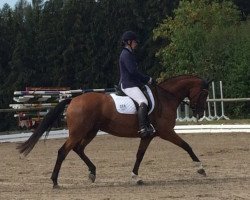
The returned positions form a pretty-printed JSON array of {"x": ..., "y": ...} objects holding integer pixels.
[{"x": 131, "y": 80}]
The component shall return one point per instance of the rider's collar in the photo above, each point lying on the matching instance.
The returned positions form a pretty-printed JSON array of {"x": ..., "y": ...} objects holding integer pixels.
[{"x": 129, "y": 49}]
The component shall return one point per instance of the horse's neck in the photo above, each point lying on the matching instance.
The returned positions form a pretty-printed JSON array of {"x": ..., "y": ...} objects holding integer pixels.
[{"x": 180, "y": 89}]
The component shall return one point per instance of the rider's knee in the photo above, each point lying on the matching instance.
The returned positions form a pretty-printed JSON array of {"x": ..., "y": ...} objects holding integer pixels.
[{"x": 143, "y": 101}]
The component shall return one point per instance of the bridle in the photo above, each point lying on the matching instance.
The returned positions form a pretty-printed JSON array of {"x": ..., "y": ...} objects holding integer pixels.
[{"x": 195, "y": 106}]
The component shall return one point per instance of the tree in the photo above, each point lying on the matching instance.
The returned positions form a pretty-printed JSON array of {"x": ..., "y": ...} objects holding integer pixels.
[
  {"x": 188, "y": 35},
  {"x": 6, "y": 40},
  {"x": 203, "y": 38},
  {"x": 244, "y": 7},
  {"x": 238, "y": 74}
]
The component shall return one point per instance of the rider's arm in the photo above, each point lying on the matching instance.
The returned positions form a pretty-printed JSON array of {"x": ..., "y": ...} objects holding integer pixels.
[{"x": 131, "y": 66}]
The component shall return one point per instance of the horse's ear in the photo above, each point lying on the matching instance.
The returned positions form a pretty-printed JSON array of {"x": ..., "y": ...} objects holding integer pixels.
[{"x": 206, "y": 83}]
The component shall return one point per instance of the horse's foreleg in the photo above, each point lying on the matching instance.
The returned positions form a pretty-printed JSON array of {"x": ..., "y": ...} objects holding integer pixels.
[
  {"x": 139, "y": 156},
  {"x": 175, "y": 139},
  {"x": 197, "y": 162},
  {"x": 79, "y": 149},
  {"x": 62, "y": 153}
]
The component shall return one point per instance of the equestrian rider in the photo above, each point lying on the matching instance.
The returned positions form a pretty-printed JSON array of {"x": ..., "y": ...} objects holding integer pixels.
[{"x": 131, "y": 80}]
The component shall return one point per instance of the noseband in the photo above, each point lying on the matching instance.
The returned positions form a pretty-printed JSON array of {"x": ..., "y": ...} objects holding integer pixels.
[{"x": 195, "y": 106}]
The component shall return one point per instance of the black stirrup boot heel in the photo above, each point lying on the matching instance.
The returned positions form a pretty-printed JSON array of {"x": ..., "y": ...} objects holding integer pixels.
[{"x": 146, "y": 129}]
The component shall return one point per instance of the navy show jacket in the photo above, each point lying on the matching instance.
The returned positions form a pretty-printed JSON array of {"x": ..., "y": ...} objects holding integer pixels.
[{"x": 130, "y": 76}]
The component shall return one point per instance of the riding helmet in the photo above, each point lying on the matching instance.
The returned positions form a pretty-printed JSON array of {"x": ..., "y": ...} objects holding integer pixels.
[{"x": 129, "y": 35}]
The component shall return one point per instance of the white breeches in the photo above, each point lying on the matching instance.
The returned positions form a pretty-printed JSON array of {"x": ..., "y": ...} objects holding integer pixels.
[{"x": 136, "y": 94}]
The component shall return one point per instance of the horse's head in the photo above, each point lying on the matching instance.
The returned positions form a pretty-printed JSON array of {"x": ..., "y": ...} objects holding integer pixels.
[
  {"x": 193, "y": 87},
  {"x": 198, "y": 97}
]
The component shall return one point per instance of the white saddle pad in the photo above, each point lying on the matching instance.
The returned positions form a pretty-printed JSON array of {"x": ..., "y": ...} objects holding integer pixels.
[{"x": 125, "y": 105}]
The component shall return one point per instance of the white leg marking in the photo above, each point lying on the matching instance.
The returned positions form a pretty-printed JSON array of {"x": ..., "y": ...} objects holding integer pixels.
[
  {"x": 198, "y": 165},
  {"x": 200, "y": 168},
  {"x": 136, "y": 179}
]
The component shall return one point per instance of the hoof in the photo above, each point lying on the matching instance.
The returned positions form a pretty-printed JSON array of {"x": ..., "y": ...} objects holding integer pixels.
[
  {"x": 139, "y": 182},
  {"x": 56, "y": 187},
  {"x": 202, "y": 172},
  {"x": 92, "y": 177},
  {"x": 136, "y": 179}
]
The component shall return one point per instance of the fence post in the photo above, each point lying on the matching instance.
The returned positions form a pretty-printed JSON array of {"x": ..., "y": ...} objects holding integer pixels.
[
  {"x": 223, "y": 116},
  {"x": 214, "y": 97},
  {"x": 187, "y": 117},
  {"x": 178, "y": 114},
  {"x": 205, "y": 117},
  {"x": 210, "y": 117}
]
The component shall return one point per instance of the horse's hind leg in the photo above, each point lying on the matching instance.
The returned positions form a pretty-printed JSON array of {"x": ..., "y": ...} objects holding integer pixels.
[
  {"x": 79, "y": 149},
  {"x": 175, "y": 139},
  {"x": 62, "y": 153}
]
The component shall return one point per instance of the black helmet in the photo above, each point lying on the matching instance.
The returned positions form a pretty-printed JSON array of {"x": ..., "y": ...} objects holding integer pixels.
[{"x": 129, "y": 35}]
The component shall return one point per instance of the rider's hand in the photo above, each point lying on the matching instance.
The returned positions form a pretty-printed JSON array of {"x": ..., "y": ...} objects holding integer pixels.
[{"x": 152, "y": 81}]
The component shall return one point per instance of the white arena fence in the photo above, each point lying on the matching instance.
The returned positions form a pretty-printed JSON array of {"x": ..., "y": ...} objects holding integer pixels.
[
  {"x": 35, "y": 103},
  {"x": 214, "y": 106},
  {"x": 180, "y": 129}
]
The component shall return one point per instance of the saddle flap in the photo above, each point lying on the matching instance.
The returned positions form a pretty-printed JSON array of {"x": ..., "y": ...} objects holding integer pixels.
[{"x": 126, "y": 105}]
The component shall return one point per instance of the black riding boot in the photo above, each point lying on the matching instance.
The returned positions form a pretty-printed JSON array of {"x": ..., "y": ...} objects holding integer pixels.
[{"x": 146, "y": 129}]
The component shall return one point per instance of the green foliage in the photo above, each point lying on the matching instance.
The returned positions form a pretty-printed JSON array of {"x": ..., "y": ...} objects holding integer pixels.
[
  {"x": 207, "y": 38},
  {"x": 190, "y": 34},
  {"x": 237, "y": 75},
  {"x": 72, "y": 43},
  {"x": 76, "y": 43}
]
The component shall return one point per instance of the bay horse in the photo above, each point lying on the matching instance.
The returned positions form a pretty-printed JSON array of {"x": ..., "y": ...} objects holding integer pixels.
[{"x": 88, "y": 113}]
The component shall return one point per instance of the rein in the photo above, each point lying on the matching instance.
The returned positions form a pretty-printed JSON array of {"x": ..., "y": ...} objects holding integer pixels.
[{"x": 166, "y": 91}]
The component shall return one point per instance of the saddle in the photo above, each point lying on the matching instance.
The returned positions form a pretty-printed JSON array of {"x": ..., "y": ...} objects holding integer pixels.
[{"x": 126, "y": 105}]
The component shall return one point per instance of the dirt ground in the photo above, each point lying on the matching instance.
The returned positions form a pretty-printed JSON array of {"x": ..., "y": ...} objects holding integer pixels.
[{"x": 167, "y": 171}]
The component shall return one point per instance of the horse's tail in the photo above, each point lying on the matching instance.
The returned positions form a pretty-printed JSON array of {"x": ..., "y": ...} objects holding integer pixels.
[{"x": 45, "y": 125}]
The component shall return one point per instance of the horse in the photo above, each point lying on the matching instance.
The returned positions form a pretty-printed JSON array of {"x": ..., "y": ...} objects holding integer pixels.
[{"x": 88, "y": 113}]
